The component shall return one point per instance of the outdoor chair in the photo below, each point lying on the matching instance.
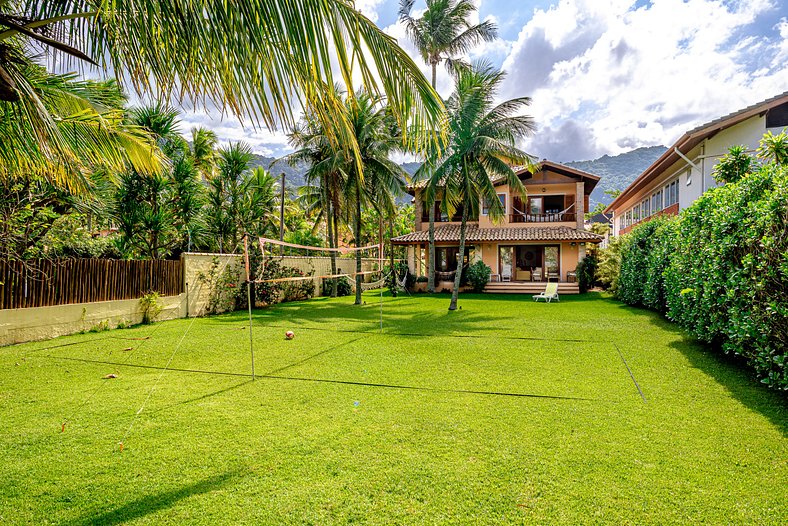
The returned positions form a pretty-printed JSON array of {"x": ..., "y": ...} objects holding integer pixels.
[
  {"x": 506, "y": 275},
  {"x": 550, "y": 293},
  {"x": 537, "y": 275}
]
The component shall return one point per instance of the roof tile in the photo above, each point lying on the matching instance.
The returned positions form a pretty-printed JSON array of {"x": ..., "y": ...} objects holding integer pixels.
[{"x": 475, "y": 234}]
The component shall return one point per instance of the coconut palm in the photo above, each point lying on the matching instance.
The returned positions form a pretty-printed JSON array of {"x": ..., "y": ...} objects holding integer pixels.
[
  {"x": 442, "y": 34},
  {"x": 64, "y": 128},
  {"x": 322, "y": 196},
  {"x": 256, "y": 59},
  {"x": 381, "y": 178},
  {"x": 482, "y": 149}
]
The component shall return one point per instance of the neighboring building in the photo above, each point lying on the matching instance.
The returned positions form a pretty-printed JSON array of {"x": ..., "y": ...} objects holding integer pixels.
[
  {"x": 542, "y": 236},
  {"x": 675, "y": 180}
]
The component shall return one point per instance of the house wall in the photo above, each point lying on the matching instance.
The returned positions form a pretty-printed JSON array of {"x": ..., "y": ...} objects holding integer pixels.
[{"x": 705, "y": 156}]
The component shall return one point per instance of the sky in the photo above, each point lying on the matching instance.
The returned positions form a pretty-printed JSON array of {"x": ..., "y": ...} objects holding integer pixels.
[{"x": 605, "y": 77}]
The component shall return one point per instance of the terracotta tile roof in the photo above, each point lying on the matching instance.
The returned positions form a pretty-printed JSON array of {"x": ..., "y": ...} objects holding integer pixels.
[{"x": 476, "y": 234}]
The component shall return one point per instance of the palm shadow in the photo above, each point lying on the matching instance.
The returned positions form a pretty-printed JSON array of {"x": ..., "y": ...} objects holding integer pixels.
[
  {"x": 160, "y": 501},
  {"x": 730, "y": 372}
]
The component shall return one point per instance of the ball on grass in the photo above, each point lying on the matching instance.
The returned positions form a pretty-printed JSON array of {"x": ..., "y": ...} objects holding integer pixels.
[{"x": 289, "y": 335}]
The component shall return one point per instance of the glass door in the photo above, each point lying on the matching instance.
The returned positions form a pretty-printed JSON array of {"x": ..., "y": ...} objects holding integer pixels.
[
  {"x": 505, "y": 259},
  {"x": 551, "y": 263}
]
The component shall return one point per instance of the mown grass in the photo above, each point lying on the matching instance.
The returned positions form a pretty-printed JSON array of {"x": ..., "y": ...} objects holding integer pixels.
[{"x": 566, "y": 439}]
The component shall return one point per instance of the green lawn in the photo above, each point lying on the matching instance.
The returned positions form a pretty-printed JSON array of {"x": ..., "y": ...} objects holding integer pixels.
[{"x": 504, "y": 412}]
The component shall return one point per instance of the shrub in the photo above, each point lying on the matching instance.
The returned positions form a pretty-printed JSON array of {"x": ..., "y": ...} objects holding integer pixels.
[
  {"x": 422, "y": 279},
  {"x": 608, "y": 268},
  {"x": 343, "y": 286},
  {"x": 586, "y": 272},
  {"x": 727, "y": 281},
  {"x": 222, "y": 281},
  {"x": 150, "y": 307},
  {"x": 479, "y": 275},
  {"x": 721, "y": 270},
  {"x": 274, "y": 292},
  {"x": 640, "y": 280}
]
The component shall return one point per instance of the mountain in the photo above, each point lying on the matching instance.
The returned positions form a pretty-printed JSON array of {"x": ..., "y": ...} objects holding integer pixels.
[
  {"x": 294, "y": 175},
  {"x": 618, "y": 171}
]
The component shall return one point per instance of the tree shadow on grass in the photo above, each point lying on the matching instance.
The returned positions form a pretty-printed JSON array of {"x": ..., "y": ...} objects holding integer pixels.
[
  {"x": 732, "y": 373},
  {"x": 154, "y": 503}
]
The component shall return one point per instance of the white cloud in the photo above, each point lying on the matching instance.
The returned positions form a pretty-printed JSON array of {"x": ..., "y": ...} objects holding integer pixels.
[{"x": 635, "y": 77}]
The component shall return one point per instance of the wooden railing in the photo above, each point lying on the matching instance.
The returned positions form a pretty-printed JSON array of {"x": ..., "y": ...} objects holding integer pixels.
[
  {"x": 41, "y": 283},
  {"x": 557, "y": 217}
]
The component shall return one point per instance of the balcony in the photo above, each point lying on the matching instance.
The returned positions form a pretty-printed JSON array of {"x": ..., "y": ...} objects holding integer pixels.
[{"x": 550, "y": 217}]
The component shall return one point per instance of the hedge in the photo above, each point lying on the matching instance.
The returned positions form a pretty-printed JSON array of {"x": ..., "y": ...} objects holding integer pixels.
[{"x": 720, "y": 270}]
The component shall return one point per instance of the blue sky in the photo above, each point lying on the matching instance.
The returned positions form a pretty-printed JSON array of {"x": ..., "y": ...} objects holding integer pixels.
[{"x": 608, "y": 76}]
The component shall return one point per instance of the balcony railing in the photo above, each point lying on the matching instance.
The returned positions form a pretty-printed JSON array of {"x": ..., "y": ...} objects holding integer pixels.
[{"x": 556, "y": 217}]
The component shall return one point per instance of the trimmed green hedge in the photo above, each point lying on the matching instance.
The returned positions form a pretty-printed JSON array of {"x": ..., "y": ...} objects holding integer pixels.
[{"x": 720, "y": 270}]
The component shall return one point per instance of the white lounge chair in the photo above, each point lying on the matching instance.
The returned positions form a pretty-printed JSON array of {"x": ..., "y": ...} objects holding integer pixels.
[{"x": 550, "y": 293}]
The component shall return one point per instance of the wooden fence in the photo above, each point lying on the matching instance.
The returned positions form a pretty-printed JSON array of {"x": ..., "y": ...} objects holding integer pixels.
[{"x": 41, "y": 283}]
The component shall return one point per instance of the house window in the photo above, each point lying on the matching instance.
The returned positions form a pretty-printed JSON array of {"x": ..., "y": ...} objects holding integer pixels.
[
  {"x": 535, "y": 206},
  {"x": 671, "y": 193},
  {"x": 656, "y": 202},
  {"x": 636, "y": 214},
  {"x": 645, "y": 209},
  {"x": 689, "y": 177},
  {"x": 486, "y": 204}
]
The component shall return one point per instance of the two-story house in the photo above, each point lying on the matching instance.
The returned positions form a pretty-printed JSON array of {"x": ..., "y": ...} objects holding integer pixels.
[
  {"x": 679, "y": 177},
  {"x": 541, "y": 238}
]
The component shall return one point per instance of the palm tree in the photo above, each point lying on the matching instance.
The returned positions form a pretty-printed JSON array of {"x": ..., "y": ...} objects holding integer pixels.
[
  {"x": 256, "y": 59},
  {"x": 322, "y": 195},
  {"x": 64, "y": 128},
  {"x": 381, "y": 178},
  {"x": 154, "y": 211},
  {"x": 203, "y": 152},
  {"x": 482, "y": 149},
  {"x": 441, "y": 34}
]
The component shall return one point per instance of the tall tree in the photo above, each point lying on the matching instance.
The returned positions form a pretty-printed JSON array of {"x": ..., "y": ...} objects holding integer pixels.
[
  {"x": 160, "y": 213},
  {"x": 381, "y": 178},
  {"x": 240, "y": 200},
  {"x": 323, "y": 194},
  {"x": 481, "y": 151},
  {"x": 255, "y": 59},
  {"x": 442, "y": 34}
]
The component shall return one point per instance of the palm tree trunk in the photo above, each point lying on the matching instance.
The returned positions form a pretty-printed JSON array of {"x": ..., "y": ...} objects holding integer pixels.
[
  {"x": 460, "y": 258},
  {"x": 330, "y": 231},
  {"x": 431, "y": 264},
  {"x": 431, "y": 233},
  {"x": 358, "y": 244},
  {"x": 391, "y": 244}
]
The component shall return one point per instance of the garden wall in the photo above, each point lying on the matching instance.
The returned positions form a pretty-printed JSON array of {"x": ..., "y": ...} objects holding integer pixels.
[{"x": 39, "y": 323}]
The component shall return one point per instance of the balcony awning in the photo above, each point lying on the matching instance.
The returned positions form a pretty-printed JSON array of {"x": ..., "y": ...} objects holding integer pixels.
[{"x": 474, "y": 234}]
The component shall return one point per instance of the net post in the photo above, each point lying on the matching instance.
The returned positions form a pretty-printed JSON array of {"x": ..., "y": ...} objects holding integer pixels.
[{"x": 249, "y": 298}]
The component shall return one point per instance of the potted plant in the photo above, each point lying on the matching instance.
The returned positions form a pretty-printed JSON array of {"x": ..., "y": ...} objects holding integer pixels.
[{"x": 421, "y": 284}]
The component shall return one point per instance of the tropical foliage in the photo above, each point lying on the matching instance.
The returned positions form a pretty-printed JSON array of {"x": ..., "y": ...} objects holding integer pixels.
[
  {"x": 721, "y": 270},
  {"x": 278, "y": 54},
  {"x": 442, "y": 34},
  {"x": 481, "y": 150}
]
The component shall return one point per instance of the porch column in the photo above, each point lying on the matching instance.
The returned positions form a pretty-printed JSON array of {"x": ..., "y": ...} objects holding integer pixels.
[
  {"x": 417, "y": 205},
  {"x": 412, "y": 259},
  {"x": 580, "y": 194}
]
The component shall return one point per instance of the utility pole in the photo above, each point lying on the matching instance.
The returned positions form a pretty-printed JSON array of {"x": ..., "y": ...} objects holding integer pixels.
[{"x": 282, "y": 217}]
